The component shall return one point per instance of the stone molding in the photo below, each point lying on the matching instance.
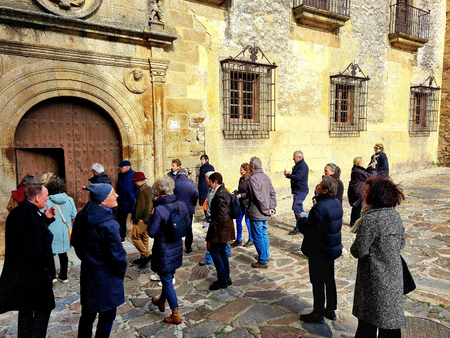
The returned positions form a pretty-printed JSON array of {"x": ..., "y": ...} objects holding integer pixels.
[
  {"x": 319, "y": 18},
  {"x": 70, "y": 55},
  {"x": 406, "y": 42},
  {"x": 74, "y": 26},
  {"x": 158, "y": 69}
]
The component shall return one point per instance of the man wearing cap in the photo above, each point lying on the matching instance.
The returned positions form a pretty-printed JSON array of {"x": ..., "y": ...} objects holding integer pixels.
[
  {"x": 96, "y": 239},
  {"x": 139, "y": 235},
  {"x": 127, "y": 191}
]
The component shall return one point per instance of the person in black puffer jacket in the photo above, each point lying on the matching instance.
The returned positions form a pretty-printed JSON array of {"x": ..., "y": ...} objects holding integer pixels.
[
  {"x": 322, "y": 245},
  {"x": 357, "y": 186},
  {"x": 167, "y": 256}
]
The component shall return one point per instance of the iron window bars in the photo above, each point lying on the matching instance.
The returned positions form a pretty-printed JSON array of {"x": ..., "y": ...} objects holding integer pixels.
[
  {"x": 348, "y": 102},
  {"x": 409, "y": 20},
  {"x": 424, "y": 105},
  {"x": 248, "y": 95},
  {"x": 341, "y": 7}
]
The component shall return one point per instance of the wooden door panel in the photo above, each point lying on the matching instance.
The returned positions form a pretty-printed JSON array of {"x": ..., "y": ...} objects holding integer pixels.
[{"x": 80, "y": 130}]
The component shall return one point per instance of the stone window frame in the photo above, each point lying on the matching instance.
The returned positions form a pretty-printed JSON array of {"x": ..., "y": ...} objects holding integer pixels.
[
  {"x": 248, "y": 96},
  {"x": 348, "y": 103},
  {"x": 424, "y": 108}
]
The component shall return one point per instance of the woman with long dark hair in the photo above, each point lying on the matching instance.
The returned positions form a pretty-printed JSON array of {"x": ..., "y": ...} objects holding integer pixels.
[
  {"x": 379, "y": 281},
  {"x": 241, "y": 195}
]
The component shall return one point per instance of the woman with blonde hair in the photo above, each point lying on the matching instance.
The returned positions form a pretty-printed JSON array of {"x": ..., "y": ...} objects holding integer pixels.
[
  {"x": 241, "y": 195},
  {"x": 380, "y": 160},
  {"x": 357, "y": 185}
]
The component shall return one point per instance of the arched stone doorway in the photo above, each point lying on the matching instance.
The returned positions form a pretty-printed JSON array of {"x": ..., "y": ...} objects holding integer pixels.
[{"x": 66, "y": 135}]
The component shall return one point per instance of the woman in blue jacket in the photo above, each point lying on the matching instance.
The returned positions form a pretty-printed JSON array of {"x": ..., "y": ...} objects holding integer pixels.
[
  {"x": 167, "y": 255},
  {"x": 322, "y": 245}
]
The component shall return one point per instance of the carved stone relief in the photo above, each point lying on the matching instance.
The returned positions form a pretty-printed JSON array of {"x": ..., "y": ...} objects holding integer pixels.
[
  {"x": 156, "y": 11},
  {"x": 135, "y": 80},
  {"x": 71, "y": 8}
]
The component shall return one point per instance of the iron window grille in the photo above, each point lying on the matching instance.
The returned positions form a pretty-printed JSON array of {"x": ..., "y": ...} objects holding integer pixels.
[
  {"x": 340, "y": 7},
  {"x": 348, "y": 102},
  {"x": 424, "y": 105},
  {"x": 409, "y": 20},
  {"x": 248, "y": 95}
]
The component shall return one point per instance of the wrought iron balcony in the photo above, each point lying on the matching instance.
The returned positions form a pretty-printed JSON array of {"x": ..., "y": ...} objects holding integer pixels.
[
  {"x": 409, "y": 27},
  {"x": 322, "y": 14}
]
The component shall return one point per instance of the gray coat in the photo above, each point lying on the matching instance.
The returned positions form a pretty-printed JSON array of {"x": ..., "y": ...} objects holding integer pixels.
[
  {"x": 261, "y": 196},
  {"x": 379, "y": 280}
]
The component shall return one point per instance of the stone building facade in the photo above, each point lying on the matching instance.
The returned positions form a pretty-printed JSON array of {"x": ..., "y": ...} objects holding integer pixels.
[
  {"x": 84, "y": 81},
  {"x": 444, "y": 126}
]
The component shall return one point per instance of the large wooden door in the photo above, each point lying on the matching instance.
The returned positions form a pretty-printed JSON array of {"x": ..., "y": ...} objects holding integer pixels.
[{"x": 66, "y": 136}]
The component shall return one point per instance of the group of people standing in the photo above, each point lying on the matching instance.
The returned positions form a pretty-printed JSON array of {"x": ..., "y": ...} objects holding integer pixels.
[{"x": 43, "y": 217}]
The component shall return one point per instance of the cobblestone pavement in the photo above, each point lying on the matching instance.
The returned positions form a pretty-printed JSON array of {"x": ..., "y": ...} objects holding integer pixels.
[{"x": 267, "y": 302}]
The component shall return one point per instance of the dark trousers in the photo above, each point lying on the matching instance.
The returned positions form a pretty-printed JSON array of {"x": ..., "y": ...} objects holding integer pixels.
[
  {"x": 356, "y": 214},
  {"x": 104, "y": 325},
  {"x": 367, "y": 330},
  {"x": 63, "y": 263},
  {"x": 33, "y": 324},
  {"x": 218, "y": 253},
  {"x": 122, "y": 220},
  {"x": 321, "y": 275},
  {"x": 189, "y": 235}
]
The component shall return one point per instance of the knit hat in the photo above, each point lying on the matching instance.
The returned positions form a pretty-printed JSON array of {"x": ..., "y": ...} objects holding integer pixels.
[
  {"x": 139, "y": 176},
  {"x": 99, "y": 192},
  {"x": 209, "y": 173},
  {"x": 124, "y": 164}
]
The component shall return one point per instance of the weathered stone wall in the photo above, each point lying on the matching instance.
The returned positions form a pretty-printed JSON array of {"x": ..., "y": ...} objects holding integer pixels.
[
  {"x": 444, "y": 130},
  {"x": 306, "y": 58}
]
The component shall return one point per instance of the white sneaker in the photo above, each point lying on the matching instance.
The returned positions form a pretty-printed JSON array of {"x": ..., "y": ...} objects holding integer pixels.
[
  {"x": 154, "y": 277},
  {"x": 205, "y": 225},
  {"x": 173, "y": 282}
]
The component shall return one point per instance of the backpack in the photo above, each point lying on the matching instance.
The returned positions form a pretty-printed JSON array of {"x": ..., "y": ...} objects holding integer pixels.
[
  {"x": 235, "y": 206},
  {"x": 176, "y": 228}
]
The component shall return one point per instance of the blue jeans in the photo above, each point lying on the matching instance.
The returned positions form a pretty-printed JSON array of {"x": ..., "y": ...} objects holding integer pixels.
[
  {"x": 297, "y": 204},
  {"x": 220, "y": 258},
  {"x": 168, "y": 292},
  {"x": 260, "y": 239},
  {"x": 239, "y": 226},
  {"x": 208, "y": 259},
  {"x": 104, "y": 325}
]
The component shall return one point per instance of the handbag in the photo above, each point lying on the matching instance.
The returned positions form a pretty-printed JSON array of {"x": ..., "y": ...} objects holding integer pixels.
[
  {"x": 408, "y": 281},
  {"x": 64, "y": 221}
]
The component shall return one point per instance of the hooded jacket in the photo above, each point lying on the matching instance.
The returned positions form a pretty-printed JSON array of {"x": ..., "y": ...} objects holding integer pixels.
[
  {"x": 100, "y": 178},
  {"x": 186, "y": 191},
  {"x": 97, "y": 243},
  {"x": 322, "y": 228},
  {"x": 59, "y": 230}
]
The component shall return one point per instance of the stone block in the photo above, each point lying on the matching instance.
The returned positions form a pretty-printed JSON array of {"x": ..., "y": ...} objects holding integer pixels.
[
  {"x": 184, "y": 105},
  {"x": 180, "y": 19},
  {"x": 194, "y": 36},
  {"x": 229, "y": 312}
]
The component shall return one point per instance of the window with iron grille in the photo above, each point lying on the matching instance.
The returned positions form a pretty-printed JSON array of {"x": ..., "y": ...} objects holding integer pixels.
[
  {"x": 248, "y": 96},
  {"x": 348, "y": 103},
  {"x": 424, "y": 105}
]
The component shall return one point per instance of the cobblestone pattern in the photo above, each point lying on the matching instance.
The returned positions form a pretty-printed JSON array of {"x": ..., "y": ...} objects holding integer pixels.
[{"x": 267, "y": 303}]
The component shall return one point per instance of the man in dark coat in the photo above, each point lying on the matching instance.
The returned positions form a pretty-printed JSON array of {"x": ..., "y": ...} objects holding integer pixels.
[
  {"x": 176, "y": 169},
  {"x": 299, "y": 185},
  {"x": 100, "y": 176},
  {"x": 202, "y": 185},
  {"x": 127, "y": 191},
  {"x": 322, "y": 245},
  {"x": 220, "y": 231},
  {"x": 187, "y": 192},
  {"x": 28, "y": 272},
  {"x": 96, "y": 240}
]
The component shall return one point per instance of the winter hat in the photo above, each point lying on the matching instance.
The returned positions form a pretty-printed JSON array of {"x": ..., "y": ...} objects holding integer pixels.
[
  {"x": 99, "y": 192},
  {"x": 124, "y": 164},
  {"x": 139, "y": 176},
  {"x": 209, "y": 173}
]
